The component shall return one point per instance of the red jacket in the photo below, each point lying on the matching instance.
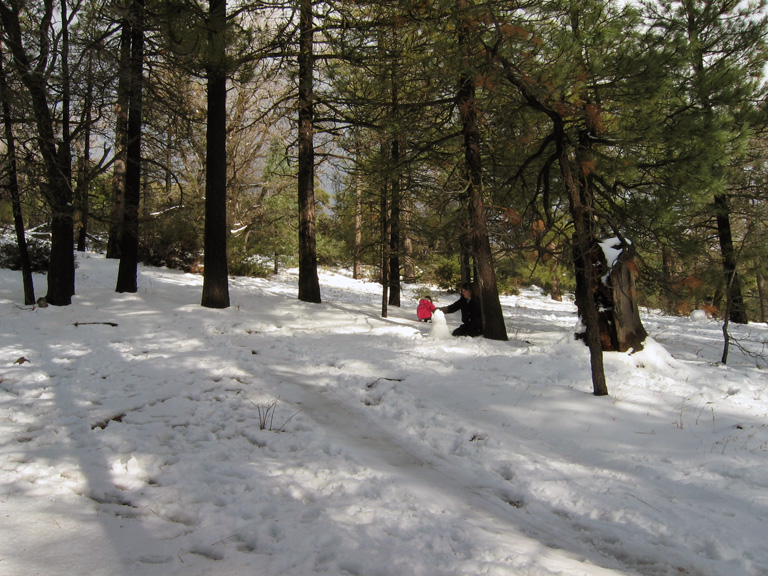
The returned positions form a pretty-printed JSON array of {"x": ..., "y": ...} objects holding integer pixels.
[{"x": 425, "y": 309}]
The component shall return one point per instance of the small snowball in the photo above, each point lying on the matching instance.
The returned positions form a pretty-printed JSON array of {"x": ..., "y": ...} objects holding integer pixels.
[{"x": 699, "y": 316}]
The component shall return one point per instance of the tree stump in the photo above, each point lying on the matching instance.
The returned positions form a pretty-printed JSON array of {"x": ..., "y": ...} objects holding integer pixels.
[{"x": 615, "y": 293}]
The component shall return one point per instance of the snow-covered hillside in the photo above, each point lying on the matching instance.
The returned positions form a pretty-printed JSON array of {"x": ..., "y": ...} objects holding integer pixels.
[{"x": 137, "y": 449}]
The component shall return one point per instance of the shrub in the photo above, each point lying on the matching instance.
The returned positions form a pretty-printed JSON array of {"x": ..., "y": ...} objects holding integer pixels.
[
  {"x": 171, "y": 240},
  {"x": 509, "y": 285},
  {"x": 445, "y": 273},
  {"x": 422, "y": 292},
  {"x": 39, "y": 255},
  {"x": 252, "y": 267}
]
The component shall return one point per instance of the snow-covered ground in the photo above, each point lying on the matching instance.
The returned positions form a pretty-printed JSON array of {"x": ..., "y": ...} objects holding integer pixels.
[{"x": 136, "y": 449}]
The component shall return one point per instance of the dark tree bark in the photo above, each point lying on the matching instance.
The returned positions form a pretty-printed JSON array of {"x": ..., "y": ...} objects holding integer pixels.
[
  {"x": 57, "y": 161},
  {"x": 121, "y": 142},
  {"x": 215, "y": 283},
  {"x": 358, "y": 256},
  {"x": 384, "y": 234},
  {"x": 737, "y": 311},
  {"x": 394, "y": 227},
  {"x": 587, "y": 251},
  {"x": 81, "y": 195},
  {"x": 409, "y": 270},
  {"x": 65, "y": 149},
  {"x": 129, "y": 245},
  {"x": 309, "y": 284},
  {"x": 466, "y": 269},
  {"x": 630, "y": 332},
  {"x": 13, "y": 190},
  {"x": 394, "y": 186},
  {"x": 584, "y": 255},
  {"x": 83, "y": 172},
  {"x": 486, "y": 288},
  {"x": 667, "y": 269},
  {"x": 556, "y": 292}
]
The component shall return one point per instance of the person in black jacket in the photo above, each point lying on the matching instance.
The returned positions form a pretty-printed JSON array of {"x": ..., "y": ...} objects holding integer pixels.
[{"x": 471, "y": 316}]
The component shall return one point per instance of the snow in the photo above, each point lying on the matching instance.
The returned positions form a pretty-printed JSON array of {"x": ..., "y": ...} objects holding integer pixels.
[
  {"x": 439, "y": 329},
  {"x": 612, "y": 250},
  {"x": 136, "y": 449},
  {"x": 699, "y": 316}
]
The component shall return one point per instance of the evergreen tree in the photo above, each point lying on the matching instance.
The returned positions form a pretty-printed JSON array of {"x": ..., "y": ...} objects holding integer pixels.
[
  {"x": 568, "y": 65},
  {"x": 13, "y": 187},
  {"x": 466, "y": 102},
  {"x": 120, "y": 138},
  {"x": 33, "y": 60},
  {"x": 721, "y": 48}
]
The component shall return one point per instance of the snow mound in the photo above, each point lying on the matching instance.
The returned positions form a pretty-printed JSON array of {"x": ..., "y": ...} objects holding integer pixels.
[
  {"x": 699, "y": 316},
  {"x": 655, "y": 357}
]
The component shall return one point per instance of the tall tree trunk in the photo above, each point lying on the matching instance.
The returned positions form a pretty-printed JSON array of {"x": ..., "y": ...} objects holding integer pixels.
[
  {"x": 394, "y": 184},
  {"x": 409, "y": 271},
  {"x": 667, "y": 267},
  {"x": 169, "y": 153},
  {"x": 358, "y": 250},
  {"x": 486, "y": 288},
  {"x": 394, "y": 227},
  {"x": 57, "y": 187},
  {"x": 735, "y": 302},
  {"x": 121, "y": 142},
  {"x": 215, "y": 282},
  {"x": 127, "y": 274},
  {"x": 81, "y": 194},
  {"x": 762, "y": 291},
  {"x": 582, "y": 221},
  {"x": 556, "y": 293},
  {"x": 466, "y": 269},
  {"x": 309, "y": 284},
  {"x": 84, "y": 169},
  {"x": 65, "y": 149},
  {"x": 13, "y": 190},
  {"x": 583, "y": 264},
  {"x": 384, "y": 235}
]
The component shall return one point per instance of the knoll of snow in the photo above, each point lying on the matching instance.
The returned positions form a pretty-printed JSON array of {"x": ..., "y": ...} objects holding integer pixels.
[{"x": 136, "y": 449}]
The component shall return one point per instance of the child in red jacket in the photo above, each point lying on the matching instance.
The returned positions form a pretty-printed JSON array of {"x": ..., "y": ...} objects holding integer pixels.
[{"x": 425, "y": 309}]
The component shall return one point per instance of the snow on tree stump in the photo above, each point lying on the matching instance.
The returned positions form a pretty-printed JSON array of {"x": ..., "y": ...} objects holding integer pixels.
[{"x": 615, "y": 293}]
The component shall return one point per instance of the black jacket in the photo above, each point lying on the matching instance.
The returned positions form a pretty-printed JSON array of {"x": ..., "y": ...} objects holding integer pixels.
[{"x": 471, "y": 315}]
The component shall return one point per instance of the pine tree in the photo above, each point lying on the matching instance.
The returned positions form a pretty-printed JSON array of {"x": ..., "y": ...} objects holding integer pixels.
[
  {"x": 32, "y": 64},
  {"x": 120, "y": 139},
  {"x": 13, "y": 187},
  {"x": 467, "y": 104},
  {"x": 721, "y": 49}
]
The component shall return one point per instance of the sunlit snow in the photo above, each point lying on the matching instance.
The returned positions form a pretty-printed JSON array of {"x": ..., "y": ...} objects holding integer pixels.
[{"x": 138, "y": 449}]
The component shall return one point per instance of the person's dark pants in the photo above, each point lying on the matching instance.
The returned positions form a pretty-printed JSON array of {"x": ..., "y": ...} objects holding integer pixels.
[{"x": 465, "y": 330}]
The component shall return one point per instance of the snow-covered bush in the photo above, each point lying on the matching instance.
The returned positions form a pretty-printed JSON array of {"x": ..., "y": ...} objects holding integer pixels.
[{"x": 39, "y": 254}]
